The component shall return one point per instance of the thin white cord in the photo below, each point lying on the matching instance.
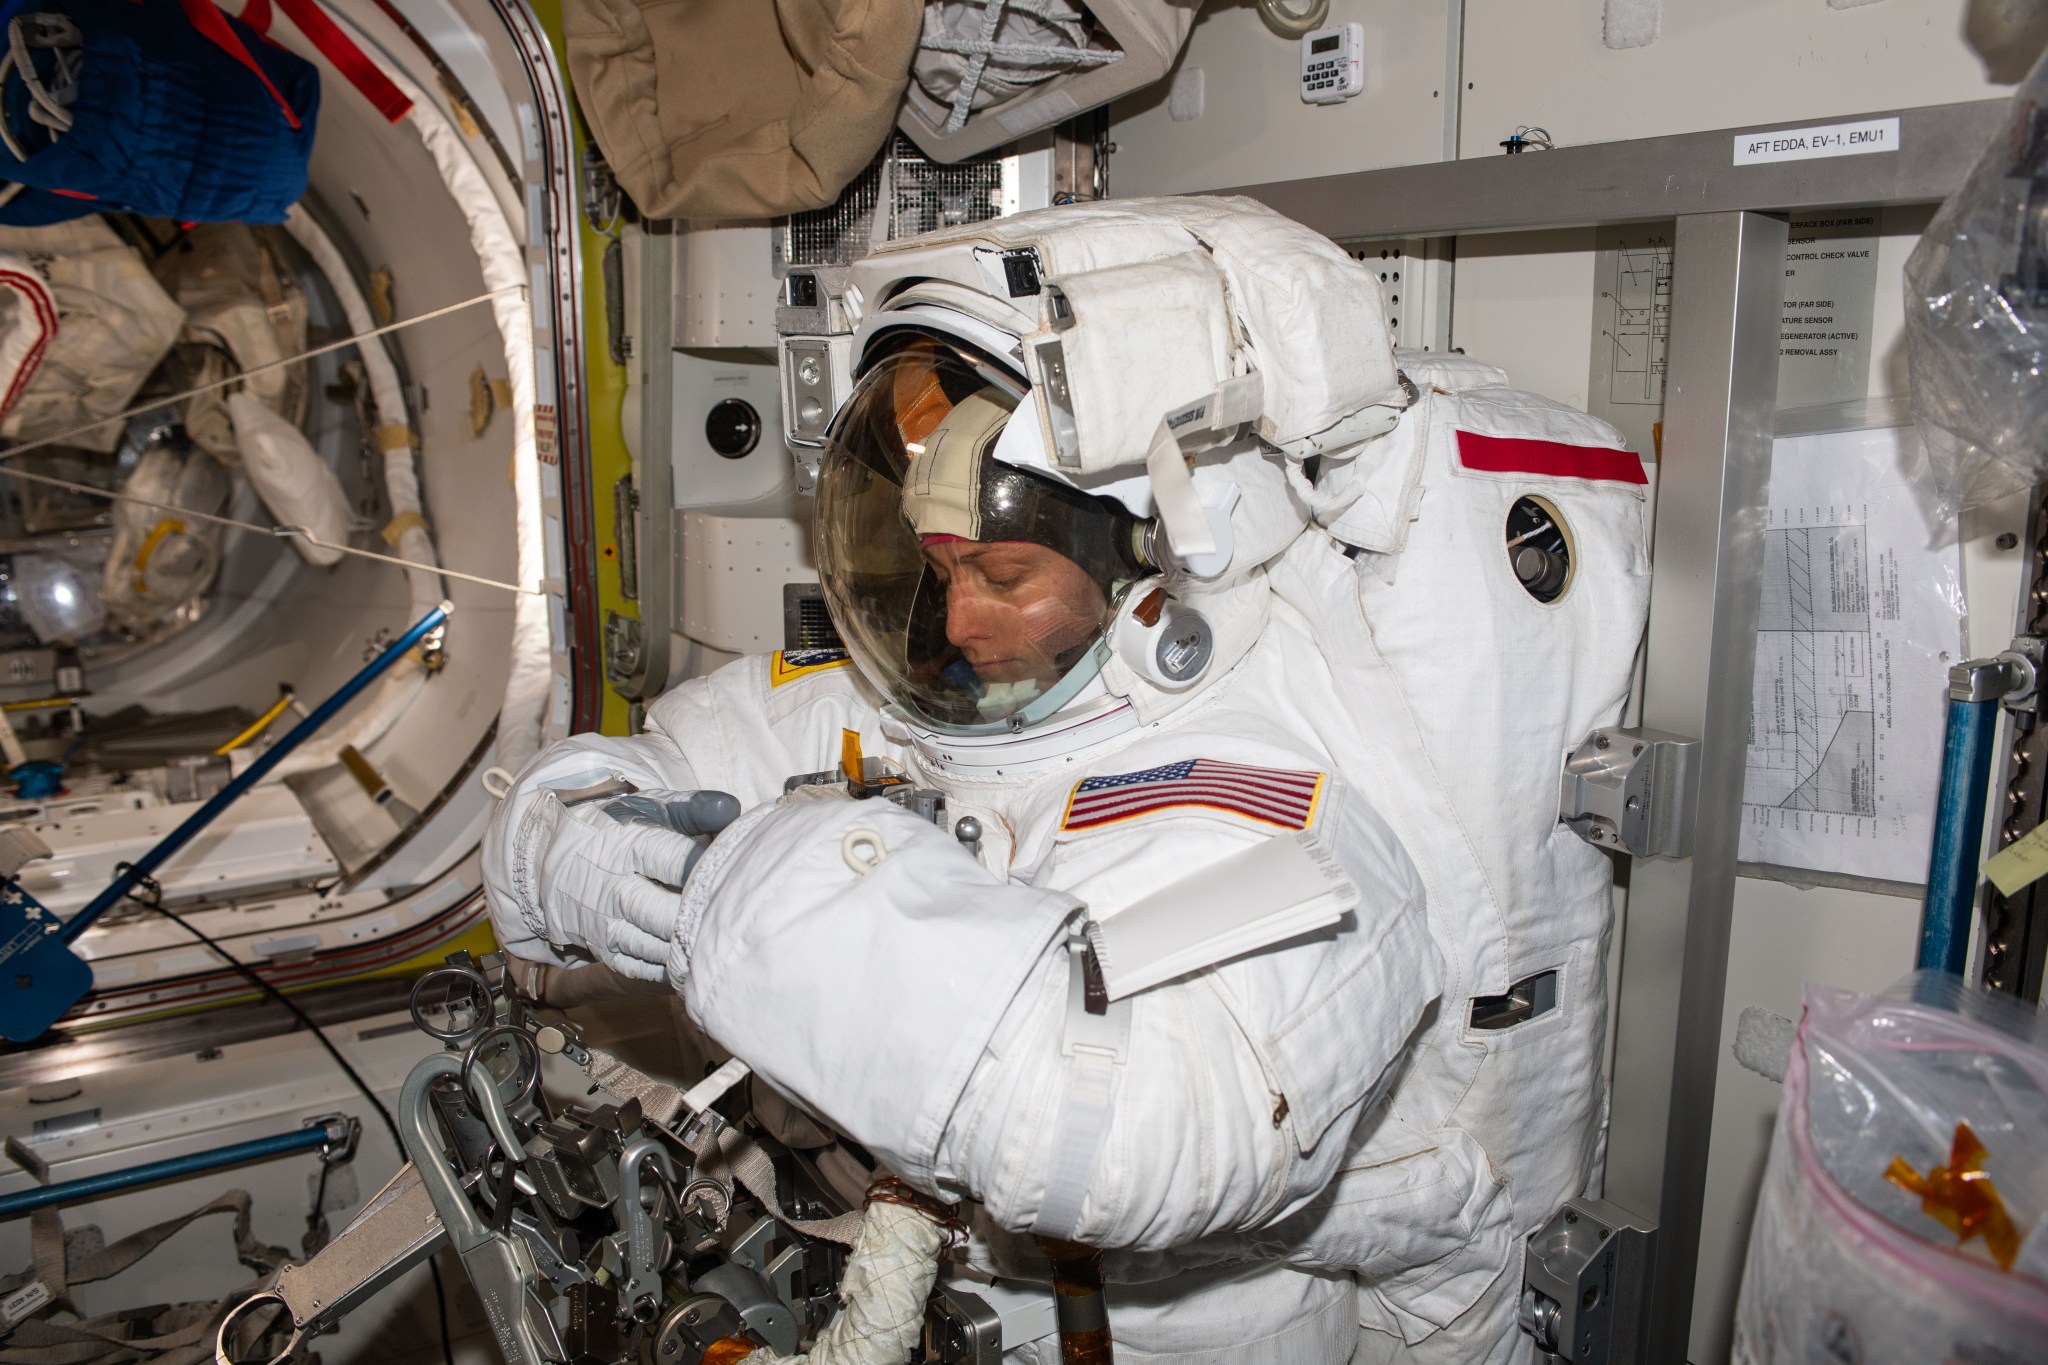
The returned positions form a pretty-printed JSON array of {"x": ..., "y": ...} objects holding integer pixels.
[
  {"x": 170, "y": 400},
  {"x": 284, "y": 531},
  {"x": 299, "y": 532}
]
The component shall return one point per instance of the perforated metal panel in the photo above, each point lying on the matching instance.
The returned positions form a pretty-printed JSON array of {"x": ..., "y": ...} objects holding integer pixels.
[
  {"x": 806, "y": 624},
  {"x": 928, "y": 196},
  {"x": 841, "y": 234},
  {"x": 911, "y": 193}
]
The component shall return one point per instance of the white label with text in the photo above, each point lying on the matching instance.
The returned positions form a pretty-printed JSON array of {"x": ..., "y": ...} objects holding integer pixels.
[{"x": 1821, "y": 139}]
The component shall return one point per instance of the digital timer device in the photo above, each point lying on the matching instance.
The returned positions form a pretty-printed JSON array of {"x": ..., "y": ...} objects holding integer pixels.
[{"x": 1333, "y": 64}]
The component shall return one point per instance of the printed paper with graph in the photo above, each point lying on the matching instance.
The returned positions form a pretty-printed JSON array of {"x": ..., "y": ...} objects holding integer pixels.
[{"x": 1858, "y": 622}]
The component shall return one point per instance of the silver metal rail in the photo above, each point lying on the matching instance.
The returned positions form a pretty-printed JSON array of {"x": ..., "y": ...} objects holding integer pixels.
[
  {"x": 1642, "y": 179},
  {"x": 1720, "y": 396}
]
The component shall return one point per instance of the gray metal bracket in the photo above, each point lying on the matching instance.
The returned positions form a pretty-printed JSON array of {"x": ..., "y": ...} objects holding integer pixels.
[
  {"x": 1585, "y": 1275},
  {"x": 1632, "y": 790}
]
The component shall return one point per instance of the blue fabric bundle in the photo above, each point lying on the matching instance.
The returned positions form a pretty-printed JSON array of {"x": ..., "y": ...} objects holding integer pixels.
[{"x": 166, "y": 120}]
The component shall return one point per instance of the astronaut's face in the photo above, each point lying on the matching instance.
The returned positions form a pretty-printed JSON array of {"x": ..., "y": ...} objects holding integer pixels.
[{"x": 1015, "y": 610}]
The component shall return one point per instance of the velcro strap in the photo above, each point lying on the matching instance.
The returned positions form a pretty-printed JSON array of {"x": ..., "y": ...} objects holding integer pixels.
[{"x": 1095, "y": 1045}]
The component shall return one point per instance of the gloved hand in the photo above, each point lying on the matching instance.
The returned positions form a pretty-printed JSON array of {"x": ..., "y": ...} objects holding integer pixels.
[{"x": 605, "y": 876}]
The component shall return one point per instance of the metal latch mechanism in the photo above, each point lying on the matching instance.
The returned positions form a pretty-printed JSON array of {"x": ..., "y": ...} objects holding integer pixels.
[
  {"x": 1632, "y": 790},
  {"x": 2012, "y": 679},
  {"x": 1585, "y": 1282}
]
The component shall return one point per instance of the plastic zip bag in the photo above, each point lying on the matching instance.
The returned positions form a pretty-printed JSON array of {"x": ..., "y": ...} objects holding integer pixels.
[
  {"x": 1977, "y": 315},
  {"x": 1846, "y": 1263}
]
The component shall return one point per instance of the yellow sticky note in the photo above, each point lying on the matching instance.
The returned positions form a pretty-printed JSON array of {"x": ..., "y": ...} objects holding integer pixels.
[
  {"x": 2021, "y": 863},
  {"x": 850, "y": 763}
]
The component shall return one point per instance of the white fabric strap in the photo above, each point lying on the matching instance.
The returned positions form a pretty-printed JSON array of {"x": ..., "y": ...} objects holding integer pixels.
[
  {"x": 1188, "y": 529},
  {"x": 1095, "y": 1046},
  {"x": 712, "y": 1088},
  {"x": 1173, "y": 493}
]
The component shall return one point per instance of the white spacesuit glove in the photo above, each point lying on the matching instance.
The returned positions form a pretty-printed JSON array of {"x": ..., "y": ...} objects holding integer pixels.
[{"x": 603, "y": 878}]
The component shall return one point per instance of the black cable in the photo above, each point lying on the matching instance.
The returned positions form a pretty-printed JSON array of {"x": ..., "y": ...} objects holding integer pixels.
[
  {"x": 316, "y": 1219},
  {"x": 390, "y": 1125}
]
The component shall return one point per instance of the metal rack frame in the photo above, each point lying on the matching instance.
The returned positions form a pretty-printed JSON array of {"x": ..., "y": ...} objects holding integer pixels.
[{"x": 1720, "y": 399}]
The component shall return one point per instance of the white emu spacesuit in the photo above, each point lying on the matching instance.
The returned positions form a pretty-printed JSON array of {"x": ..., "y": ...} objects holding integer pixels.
[
  {"x": 1479, "y": 595},
  {"x": 1046, "y": 519}
]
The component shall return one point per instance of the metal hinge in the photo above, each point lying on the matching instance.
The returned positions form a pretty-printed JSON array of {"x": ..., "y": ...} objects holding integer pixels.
[{"x": 1632, "y": 790}]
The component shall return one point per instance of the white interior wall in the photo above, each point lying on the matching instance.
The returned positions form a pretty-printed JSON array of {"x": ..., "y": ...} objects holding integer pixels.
[
  {"x": 1722, "y": 64},
  {"x": 1524, "y": 301},
  {"x": 1253, "y": 126}
]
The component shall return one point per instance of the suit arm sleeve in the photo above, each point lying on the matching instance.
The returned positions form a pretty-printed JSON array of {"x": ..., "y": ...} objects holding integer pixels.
[{"x": 920, "y": 1008}]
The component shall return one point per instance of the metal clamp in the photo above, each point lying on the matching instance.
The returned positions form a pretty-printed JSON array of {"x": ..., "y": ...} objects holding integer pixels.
[
  {"x": 2011, "y": 679},
  {"x": 500, "y": 1267},
  {"x": 641, "y": 1293},
  {"x": 397, "y": 1229},
  {"x": 343, "y": 1131},
  {"x": 1632, "y": 790}
]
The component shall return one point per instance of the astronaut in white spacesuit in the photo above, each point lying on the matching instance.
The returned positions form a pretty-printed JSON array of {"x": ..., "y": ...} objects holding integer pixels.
[{"x": 1089, "y": 662}]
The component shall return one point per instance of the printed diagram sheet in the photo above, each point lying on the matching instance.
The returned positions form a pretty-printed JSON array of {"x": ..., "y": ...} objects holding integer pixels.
[
  {"x": 1859, "y": 620},
  {"x": 1631, "y": 331},
  {"x": 1642, "y": 323}
]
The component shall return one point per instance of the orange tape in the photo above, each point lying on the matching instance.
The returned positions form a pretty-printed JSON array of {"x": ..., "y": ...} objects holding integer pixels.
[{"x": 1961, "y": 1197}]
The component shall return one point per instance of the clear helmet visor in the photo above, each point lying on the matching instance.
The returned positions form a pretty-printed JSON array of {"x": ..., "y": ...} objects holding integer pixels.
[{"x": 974, "y": 593}]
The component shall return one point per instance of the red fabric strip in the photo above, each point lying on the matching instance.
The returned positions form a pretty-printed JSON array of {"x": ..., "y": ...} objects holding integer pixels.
[
  {"x": 36, "y": 295},
  {"x": 345, "y": 57},
  {"x": 1527, "y": 455},
  {"x": 256, "y": 14},
  {"x": 202, "y": 15}
]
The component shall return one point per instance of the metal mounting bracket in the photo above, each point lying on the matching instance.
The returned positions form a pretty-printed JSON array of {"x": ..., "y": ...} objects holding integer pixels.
[
  {"x": 1632, "y": 790},
  {"x": 1585, "y": 1277}
]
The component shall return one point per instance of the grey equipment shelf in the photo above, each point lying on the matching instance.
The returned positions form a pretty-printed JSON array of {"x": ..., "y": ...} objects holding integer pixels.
[{"x": 1637, "y": 181}]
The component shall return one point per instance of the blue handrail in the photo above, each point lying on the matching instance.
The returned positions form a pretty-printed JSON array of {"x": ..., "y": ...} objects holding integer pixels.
[
  {"x": 134, "y": 874},
  {"x": 68, "y": 1191},
  {"x": 1958, "y": 836}
]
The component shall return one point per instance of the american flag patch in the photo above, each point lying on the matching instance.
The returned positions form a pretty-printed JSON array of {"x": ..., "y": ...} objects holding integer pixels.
[{"x": 1272, "y": 796}]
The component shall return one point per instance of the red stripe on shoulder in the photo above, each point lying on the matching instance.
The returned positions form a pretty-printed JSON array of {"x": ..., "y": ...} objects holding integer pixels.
[{"x": 1527, "y": 455}]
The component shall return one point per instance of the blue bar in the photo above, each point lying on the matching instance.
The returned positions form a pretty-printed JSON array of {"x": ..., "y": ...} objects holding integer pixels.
[
  {"x": 298, "y": 1140},
  {"x": 255, "y": 773},
  {"x": 1958, "y": 836}
]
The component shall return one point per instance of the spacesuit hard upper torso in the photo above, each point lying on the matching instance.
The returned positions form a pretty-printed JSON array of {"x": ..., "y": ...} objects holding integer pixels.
[
  {"x": 1462, "y": 689},
  {"x": 1247, "y": 1170}
]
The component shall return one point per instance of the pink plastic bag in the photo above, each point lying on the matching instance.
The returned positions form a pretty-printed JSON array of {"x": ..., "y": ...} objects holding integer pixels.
[{"x": 1844, "y": 1266}]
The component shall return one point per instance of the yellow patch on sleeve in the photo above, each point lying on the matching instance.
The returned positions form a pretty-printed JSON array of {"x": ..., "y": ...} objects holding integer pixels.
[{"x": 787, "y": 665}]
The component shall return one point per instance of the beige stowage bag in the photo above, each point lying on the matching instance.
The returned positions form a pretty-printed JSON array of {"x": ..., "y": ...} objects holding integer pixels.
[{"x": 739, "y": 108}]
